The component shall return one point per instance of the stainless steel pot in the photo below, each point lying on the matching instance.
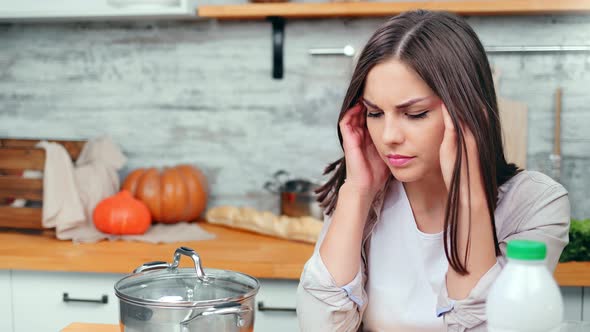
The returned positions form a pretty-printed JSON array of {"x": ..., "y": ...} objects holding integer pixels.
[
  {"x": 297, "y": 197},
  {"x": 160, "y": 297}
]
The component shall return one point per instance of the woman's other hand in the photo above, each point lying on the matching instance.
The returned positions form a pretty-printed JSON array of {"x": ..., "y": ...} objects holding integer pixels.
[{"x": 470, "y": 160}]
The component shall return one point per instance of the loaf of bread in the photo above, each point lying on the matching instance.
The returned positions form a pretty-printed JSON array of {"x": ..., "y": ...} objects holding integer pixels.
[{"x": 306, "y": 229}]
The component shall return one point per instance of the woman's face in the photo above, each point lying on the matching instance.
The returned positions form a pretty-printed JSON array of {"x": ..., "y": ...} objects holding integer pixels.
[{"x": 404, "y": 119}]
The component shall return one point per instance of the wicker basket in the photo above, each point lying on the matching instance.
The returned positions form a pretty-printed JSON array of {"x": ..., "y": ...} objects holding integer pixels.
[{"x": 17, "y": 155}]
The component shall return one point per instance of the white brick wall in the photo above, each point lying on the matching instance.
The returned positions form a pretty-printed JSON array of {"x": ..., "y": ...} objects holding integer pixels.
[{"x": 202, "y": 92}]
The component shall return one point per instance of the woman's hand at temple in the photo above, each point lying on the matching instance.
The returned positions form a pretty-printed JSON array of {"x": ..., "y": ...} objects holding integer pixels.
[{"x": 366, "y": 172}]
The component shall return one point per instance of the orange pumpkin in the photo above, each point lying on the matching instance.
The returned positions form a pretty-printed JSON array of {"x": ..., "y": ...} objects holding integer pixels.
[
  {"x": 174, "y": 194},
  {"x": 121, "y": 214}
]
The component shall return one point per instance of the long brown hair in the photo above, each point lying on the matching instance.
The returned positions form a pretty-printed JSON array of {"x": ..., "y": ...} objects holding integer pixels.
[{"x": 447, "y": 54}]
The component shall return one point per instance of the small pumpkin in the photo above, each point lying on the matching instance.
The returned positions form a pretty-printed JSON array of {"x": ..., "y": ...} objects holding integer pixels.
[
  {"x": 121, "y": 214},
  {"x": 173, "y": 194}
]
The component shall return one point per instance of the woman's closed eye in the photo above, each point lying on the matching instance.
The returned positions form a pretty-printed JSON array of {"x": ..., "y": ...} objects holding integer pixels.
[
  {"x": 420, "y": 115},
  {"x": 374, "y": 114},
  {"x": 412, "y": 116}
]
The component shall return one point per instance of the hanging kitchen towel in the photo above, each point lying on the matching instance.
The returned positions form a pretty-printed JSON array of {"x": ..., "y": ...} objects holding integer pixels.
[
  {"x": 62, "y": 208},
  {"x": 514, "y": 119},
  {"x": 94, "y": 177}
]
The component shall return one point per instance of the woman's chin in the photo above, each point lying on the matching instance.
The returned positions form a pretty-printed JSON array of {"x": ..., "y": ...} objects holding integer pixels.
[{"x": 406, "y": 174}]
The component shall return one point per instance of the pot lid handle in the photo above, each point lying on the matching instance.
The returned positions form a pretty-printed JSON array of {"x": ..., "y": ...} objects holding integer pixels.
[
  {"x": 194, "y": 256},
  {"x": 157, "y": 265}
]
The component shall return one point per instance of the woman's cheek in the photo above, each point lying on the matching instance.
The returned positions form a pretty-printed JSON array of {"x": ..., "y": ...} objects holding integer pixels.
[{"x": 374, "y": 134}]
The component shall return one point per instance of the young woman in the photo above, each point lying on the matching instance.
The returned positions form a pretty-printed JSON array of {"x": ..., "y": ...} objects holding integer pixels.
[{"x": 421, "y": 206}]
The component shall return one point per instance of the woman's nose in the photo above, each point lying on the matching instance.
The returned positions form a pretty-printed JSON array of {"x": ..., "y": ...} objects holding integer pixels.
[{"x": 392, "y": 132}]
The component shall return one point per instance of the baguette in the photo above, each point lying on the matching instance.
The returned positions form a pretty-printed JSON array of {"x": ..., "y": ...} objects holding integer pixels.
[{"x": 306, "y": 229}]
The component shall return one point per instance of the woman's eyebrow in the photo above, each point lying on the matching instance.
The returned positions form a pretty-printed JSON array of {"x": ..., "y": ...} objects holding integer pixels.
[
  {"x": 403, "y": 105},
  {"x": 410, "y": 102},
  {"x": 370, "y": 104}
]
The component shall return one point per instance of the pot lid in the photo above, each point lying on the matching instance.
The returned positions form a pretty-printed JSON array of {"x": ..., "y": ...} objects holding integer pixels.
[{"x": 165, "y": 285}]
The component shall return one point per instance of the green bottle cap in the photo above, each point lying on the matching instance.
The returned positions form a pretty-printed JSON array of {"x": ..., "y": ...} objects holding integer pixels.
[{"x": 527, "y": 250}]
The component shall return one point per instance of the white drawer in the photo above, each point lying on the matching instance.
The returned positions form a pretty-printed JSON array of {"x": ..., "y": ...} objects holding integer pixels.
[
  {"x": 38, "y": 299},
  {"x": 5, "y": 302},
  {"x": 276, "y": 294},
  {"x": 572, "y": 303}
]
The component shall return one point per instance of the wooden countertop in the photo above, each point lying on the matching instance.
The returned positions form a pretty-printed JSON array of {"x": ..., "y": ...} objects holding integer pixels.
[
  {"x": 82, "y": 327},
  {"x": 257, "y": 255}
]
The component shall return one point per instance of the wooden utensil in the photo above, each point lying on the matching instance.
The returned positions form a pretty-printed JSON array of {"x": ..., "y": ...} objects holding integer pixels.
[
  {"x": 514, "y": 120},
  {"x": 555, "y": 157},
  {"x": 557, "y": 130}
]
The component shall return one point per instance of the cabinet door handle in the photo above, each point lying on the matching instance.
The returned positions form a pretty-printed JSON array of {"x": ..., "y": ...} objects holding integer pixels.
[
  {"x": 262, "y": 307},
  {"x": 103, "y": 300}
]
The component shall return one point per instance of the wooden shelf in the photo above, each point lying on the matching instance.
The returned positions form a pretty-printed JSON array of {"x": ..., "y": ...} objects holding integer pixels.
[{"x": 372, "y": 9}]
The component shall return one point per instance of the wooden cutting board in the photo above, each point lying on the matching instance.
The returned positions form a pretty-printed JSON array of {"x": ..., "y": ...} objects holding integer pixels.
[{"x": 514, "y": 120}]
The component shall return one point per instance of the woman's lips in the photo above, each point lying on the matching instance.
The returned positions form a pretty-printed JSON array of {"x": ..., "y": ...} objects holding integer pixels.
[{"x": 398, "y": 160}]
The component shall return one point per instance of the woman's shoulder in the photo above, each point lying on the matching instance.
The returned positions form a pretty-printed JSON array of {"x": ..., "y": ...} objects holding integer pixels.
[
  {"x": 529, "y": 185},
  {"x": 526, "y": 195}
]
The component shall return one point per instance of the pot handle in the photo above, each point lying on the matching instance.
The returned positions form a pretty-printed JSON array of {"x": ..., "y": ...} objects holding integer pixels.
[
  {"x": 231, "y": 308},
  {"x": 273, "y": 187},
  {"x": 194, "y": 256},
  {"x": 157, "y": 265},
  {"x": 281, "y": 176}
]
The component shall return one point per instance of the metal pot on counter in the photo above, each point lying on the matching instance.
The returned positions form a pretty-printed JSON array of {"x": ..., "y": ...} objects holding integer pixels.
[
  {"x": 161, "y": 297},
  {"x": 297, "y": 196}
]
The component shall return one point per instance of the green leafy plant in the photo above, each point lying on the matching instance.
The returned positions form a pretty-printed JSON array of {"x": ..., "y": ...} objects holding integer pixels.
[{"x": 579, "y": 247}]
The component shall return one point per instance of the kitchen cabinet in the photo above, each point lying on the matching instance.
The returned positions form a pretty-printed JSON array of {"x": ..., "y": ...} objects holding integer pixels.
[
  {"x": 572, "y": 302},
  {"x": 32, "y": 10},
  {"x": 46, "y": 268},
  {"x": 46, "y": 290},
  {"x": 276, "y": 302},
  {"x": 39, "y": 303},
  {"x": 5, "y": 301}
]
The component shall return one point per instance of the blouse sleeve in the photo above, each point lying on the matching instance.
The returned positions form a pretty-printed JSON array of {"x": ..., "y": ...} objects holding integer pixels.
[
  {"x": 540, "y": 215},
  {"x": 324, "y": 306}
]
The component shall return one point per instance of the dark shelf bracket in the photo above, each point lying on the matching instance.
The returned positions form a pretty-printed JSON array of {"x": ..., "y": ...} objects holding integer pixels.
[{"x": 278, "y": 41}]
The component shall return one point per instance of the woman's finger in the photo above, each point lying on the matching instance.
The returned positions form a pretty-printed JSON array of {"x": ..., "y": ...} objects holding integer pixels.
[
  {"x": 469, "y": 139},
  {"x": 449, "y": 127},
  {"x": 346, "y": 119},
  {"x": 356, "y": 117},
  {"x": 363, "y": 116},
  {"x": 349, "y": 114}
]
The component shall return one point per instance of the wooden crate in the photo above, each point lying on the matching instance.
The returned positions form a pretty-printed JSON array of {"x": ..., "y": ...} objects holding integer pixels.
[{"x": 17, "y": 155}]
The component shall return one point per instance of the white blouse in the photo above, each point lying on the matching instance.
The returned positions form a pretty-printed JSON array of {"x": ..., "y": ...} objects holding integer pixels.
[
  {"x": 400, "y": 282},
  {"x": 406, "y": 270}
]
